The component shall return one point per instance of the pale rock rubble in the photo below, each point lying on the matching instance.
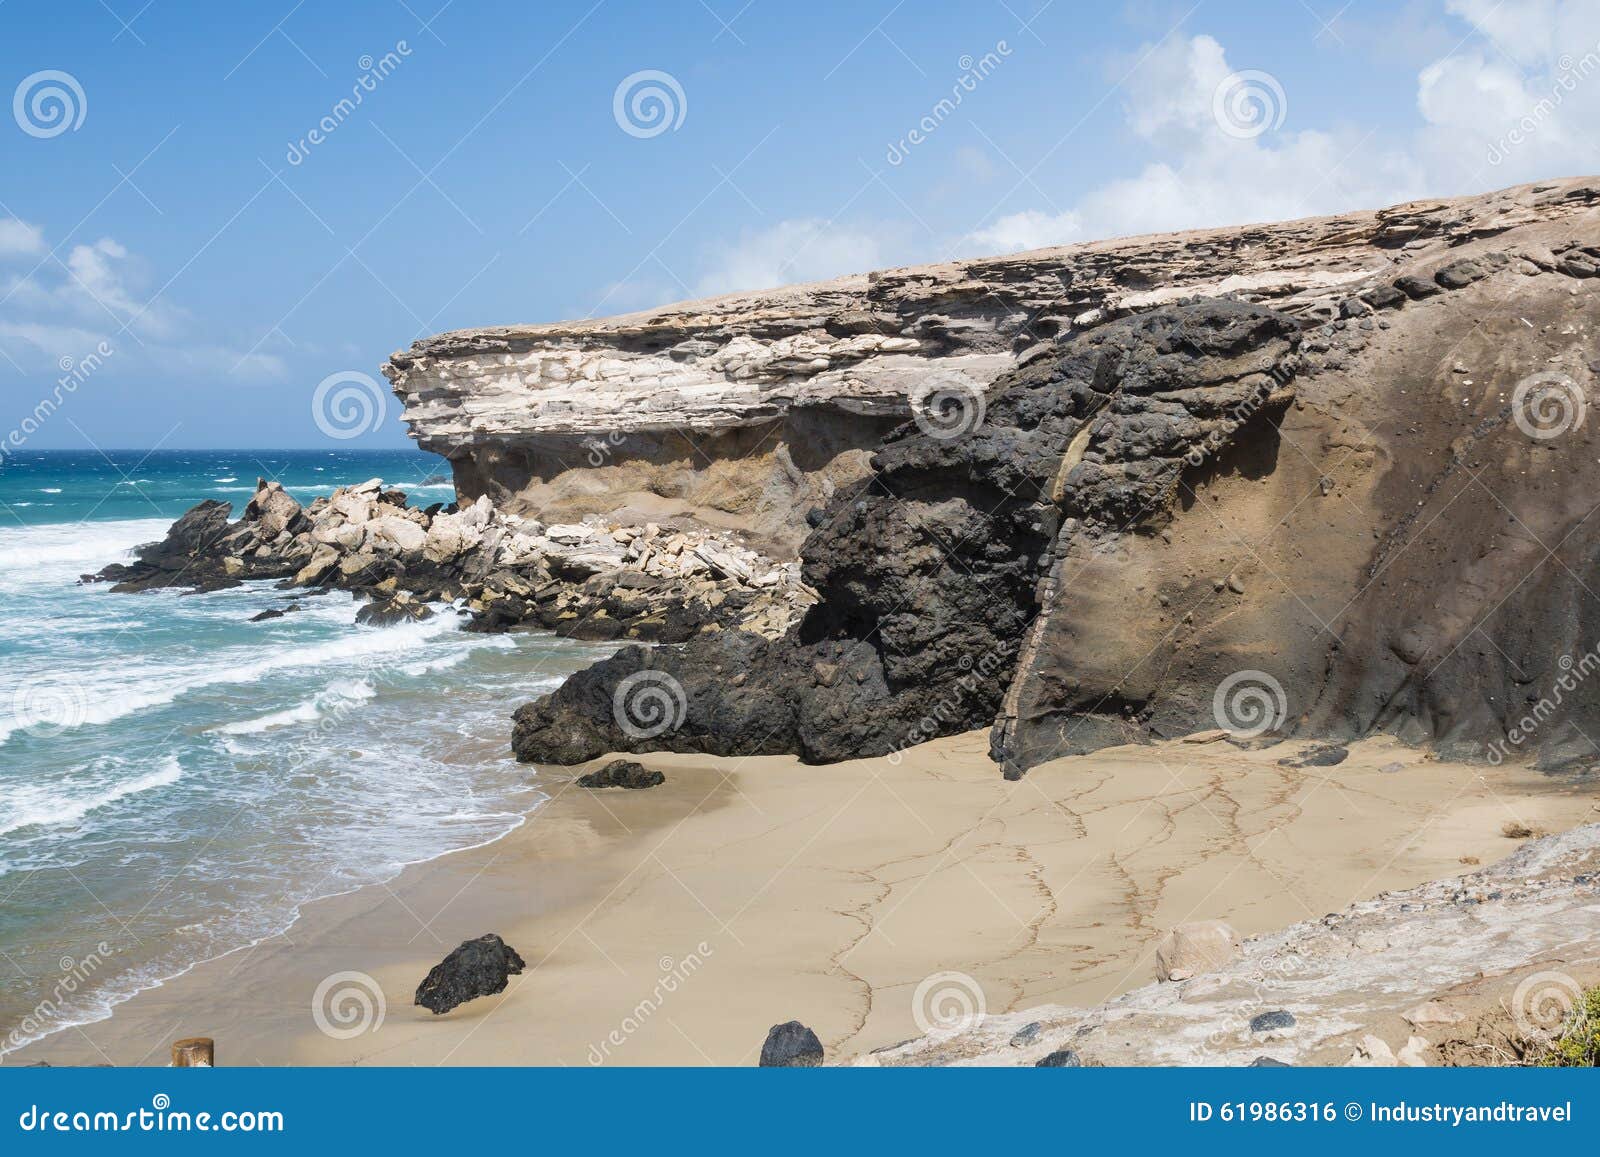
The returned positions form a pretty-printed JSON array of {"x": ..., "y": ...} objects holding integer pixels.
[{"x": 586, "y": 580}]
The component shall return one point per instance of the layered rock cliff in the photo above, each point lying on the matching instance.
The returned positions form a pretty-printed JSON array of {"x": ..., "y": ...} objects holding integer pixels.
[
  {"x": 750, "y": 409},
  {"x": 1323, "y": 478}
]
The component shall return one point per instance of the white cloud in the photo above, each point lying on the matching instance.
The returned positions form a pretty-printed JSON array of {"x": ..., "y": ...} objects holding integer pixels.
[
  {"x": 64, "y": 308},
  {"x": 20, "y": 239},
  {"x": 1517, "y": 101},
  {"x": 807, "y": 249},
  {"x": 1514, "y": 98},
  {"x": 1224, "y": 161}
]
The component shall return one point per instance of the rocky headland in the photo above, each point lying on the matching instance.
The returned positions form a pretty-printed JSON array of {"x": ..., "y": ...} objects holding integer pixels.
[{"x": 1326, "y": 479}]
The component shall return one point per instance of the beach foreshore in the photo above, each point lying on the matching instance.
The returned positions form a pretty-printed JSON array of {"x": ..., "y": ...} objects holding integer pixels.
[{"x": 675, "y": 925}]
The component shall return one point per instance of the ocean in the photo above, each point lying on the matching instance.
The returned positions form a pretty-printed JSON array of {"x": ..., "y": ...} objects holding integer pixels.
[{"x": 177, "y": 781}]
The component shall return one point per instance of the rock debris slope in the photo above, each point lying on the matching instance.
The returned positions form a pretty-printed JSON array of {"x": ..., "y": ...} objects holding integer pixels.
[
  {"x": 1329, "y": 478},
  {"x": 1481, "y": 969}
]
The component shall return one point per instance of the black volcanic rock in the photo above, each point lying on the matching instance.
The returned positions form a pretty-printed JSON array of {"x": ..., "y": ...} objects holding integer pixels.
[
  {"x": 1060, "y": 1059},
  {"x": 622, "y": 773},
  {"x": 928, "y": 577},
  {"x": 791, "y": 1045},
  {"x": 1317, "y": 755},
  {"x": 477, "y": 968}
]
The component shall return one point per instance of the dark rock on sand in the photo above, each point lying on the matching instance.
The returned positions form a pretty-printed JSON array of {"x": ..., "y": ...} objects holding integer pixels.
[
  {"x": 791, "y": 1045},
  {"x": 1026, "y": 1035},
  {"x": 622, "y": 773},
  {"x": 1060, "y": 1059},
  {"x": 1272, "y": 1021},
  {"x": 1317, "y": 755},
  {"x": 477, "y": 968},
  {"x": 1270, "y": 1063}
]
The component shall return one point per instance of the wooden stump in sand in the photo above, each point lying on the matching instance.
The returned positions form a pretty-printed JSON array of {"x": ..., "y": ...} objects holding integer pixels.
[{"x": 194, "y": 1052}]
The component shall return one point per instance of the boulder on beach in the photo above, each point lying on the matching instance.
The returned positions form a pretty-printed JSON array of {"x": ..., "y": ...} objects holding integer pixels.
[
  {"x": 622, "y": 773},
  {"x": 477, "y": 968},
  {"x": 1060, "y": 1059},
  {"x": 1195, "y": 947},
  {"x": 791, "y": 1045}
]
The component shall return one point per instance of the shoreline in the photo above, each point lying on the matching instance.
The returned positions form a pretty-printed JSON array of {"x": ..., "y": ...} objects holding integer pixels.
[
  {"x": 675, "y": 925},
  {"x": 299, "y": 910}
]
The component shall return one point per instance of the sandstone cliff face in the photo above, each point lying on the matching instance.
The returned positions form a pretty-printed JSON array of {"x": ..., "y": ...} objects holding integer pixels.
[
  {"x": 1326, "y": 477},
  {"x": 750, "y": 409}
]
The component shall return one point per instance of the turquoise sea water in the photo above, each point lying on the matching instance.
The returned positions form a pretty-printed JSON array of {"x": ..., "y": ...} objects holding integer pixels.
[{"x": 175, "y": 781}]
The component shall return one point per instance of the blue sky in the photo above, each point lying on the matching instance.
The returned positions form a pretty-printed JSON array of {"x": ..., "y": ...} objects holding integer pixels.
[{"x": 173, "y": 205}]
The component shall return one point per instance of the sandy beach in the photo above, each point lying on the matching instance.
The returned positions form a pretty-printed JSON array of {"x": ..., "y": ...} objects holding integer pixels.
[{"x": 675, "y": 925}]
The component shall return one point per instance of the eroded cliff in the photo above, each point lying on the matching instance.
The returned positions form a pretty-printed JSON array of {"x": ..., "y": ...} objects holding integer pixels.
[{"x": 1324, "y": 477}]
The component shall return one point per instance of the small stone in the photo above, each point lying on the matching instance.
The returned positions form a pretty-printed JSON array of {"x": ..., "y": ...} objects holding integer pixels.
[
  {"x": 1060, "y": 1059},
  {"x": 1025, "y": 1035},
  {"x": 1269, "y": 1063},
  {"x": 791, "y": 1045},
  {"x": 1273, "y": 1021},
  {"x": 1432, "y": 1012},
  {"x": 1198, "y": 946},
  {"x": 1317, "y": 755},
  {"x": 622, "y": 773}
]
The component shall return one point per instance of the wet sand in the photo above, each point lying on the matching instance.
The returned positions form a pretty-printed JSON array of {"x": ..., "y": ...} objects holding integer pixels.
[{"x": 675, "y": 925}]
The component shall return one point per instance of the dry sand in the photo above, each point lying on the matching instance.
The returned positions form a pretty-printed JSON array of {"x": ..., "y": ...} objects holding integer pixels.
[{"x": 675, "y": 925}]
